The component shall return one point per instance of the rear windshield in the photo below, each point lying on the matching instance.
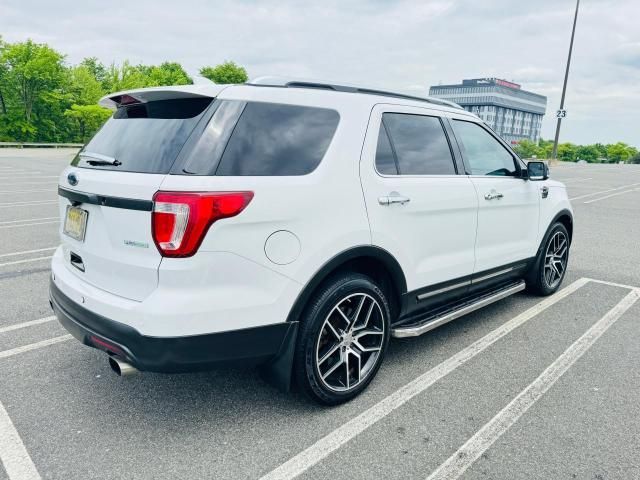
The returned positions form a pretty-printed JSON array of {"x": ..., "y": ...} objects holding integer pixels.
[
  {"x": 145, "y": 137},
  {"x": 262, "y": 139}
]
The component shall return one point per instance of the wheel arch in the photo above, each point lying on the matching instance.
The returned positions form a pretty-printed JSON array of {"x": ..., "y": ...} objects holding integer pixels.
[
  {"x": 566, "y": 218},
  {"x": 370, "y": 260}
]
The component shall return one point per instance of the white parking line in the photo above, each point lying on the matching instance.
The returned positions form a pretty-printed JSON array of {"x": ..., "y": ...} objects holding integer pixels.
[
  {"x": 34, "y": 346},
  {"x": 28, "y": 224},
  {"x": 603, "y": 191},
  {"x": 612, "y": 195},
  {"x": 573, "y": 180},
  {"x": 28, "y": 177},
  {"x": 343, "y": 434},
  {"x": 28, "y": 220},
  {"x": 8, "y": 192},
  {"x": 27, "y": 204},
  {"x": 29, "y": 260},
  {"x": 25, "y": 252},
  {"x": 15, "y": 458},
  {"x": 614, "y": 284},
  {"x": 49, "y": 182},
  {"x": 30, "y": 323},
  {"x": 466, "y": 455}
]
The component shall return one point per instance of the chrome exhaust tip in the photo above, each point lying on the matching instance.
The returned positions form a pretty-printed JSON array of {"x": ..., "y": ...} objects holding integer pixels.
[{"x": 122, "y": 369}]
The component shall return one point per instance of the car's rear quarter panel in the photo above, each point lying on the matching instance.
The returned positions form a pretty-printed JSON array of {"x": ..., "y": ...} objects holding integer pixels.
[{"x": 323, "y": 210}]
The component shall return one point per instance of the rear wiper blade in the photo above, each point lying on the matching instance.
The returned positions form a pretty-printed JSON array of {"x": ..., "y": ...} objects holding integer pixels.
[
  {"x": 99, "y": 159},
  {"x": 115, "y": 163}
]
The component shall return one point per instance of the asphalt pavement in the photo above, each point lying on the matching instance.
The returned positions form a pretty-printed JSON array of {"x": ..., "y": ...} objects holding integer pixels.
[{"x": 525, "y": 388}]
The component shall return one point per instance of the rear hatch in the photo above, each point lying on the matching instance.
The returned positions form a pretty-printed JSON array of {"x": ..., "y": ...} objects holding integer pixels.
[{"x": 106, "y": 194}]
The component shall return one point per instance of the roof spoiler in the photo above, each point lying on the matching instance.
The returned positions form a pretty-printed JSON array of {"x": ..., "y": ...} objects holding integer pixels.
[{"x": 152, "y": 94}]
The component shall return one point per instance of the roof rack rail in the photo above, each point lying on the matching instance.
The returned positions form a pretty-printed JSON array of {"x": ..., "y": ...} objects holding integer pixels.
[{"x": 271, "y": 81}]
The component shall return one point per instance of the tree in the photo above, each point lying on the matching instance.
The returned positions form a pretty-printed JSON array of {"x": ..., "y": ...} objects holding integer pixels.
[
  {"x": 527, "y": 149},
  {"x": 587, "y": 152},
  {"x": 227, "y": 72},
  {"x": 124, "y": 77},
  {"x": 89, "y": 119},
  {"x": 567, "y": 152},
  {"x": 620, "y": 151},
  {"x": 602, "y": 150},
  {"x": 83, "y": 86},
  {"x": 3, "y": 73},
  {"x": 97, "y": 69},
  {"x": 167, "y": 73},
  {"x": 33, "y": 69},
  {"x": 635, "y": 158}
]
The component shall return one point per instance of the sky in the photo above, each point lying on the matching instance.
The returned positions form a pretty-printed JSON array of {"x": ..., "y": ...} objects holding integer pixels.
[{"x": 405, "y": 45}]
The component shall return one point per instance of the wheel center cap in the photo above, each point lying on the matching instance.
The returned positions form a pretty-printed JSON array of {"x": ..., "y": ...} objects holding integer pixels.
[{"x": 348, "y": 338}]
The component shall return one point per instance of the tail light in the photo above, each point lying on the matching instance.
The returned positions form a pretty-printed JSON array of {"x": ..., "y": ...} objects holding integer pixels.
[{"x": 180, "y": 220}]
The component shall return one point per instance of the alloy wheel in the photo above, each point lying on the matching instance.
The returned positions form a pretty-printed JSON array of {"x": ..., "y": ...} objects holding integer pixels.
[
  {"x": 555, "y": 260},
  {"x": 350, "y": 342}
]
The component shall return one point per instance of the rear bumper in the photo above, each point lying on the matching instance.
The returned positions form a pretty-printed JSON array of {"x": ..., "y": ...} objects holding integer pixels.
[{"x": 250, "y": 346}]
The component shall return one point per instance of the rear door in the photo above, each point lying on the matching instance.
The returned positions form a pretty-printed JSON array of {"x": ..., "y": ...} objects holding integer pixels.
[
  {"x": 420, "y": 209},
  {"x": 508, "y": 204},
  {"x": 106, "y": 194}
]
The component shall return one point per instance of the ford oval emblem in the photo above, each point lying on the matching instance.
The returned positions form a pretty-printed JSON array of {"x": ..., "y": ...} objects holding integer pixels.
[{"x": 72, "y": 178}]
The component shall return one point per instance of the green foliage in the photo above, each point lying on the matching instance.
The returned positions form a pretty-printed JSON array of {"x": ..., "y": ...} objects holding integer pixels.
[
  {"x": 124, "y": 77},
  {"x": 31, "y": 77},
  {"x": 167, "y": 73},
  {"x": 89, "y": 118},
  {"x": 227, "y": 72},
  {"x": 590, "y": 153},
  {"x": 96, "y": 68},
  {"x": 620, "y": 152},
  {"x": 83, "y": 86},
  {"x": 43, "y": 99},
  {"x": 527, "y": 149},
  {"x": 568, "y": 152}
]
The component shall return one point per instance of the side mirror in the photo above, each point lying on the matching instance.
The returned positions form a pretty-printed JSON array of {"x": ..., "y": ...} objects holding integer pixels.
[{"x": 537, "y": 171}]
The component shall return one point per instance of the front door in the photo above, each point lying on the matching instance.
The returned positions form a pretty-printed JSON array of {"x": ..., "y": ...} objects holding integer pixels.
[{"x": 508, "y": 204}]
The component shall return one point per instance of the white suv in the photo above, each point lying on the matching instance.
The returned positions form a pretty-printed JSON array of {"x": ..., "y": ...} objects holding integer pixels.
[{"x": 296, "y": 225}]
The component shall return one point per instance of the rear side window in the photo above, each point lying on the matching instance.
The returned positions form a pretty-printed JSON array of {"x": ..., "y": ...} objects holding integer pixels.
[
  {"x": 419, "y": 144},
  {"x": 385, "y": 160},
  {"x": 275, "y": 139},
  {"x": 144, "y": 137},
  {"x": 485, "y": 155}
]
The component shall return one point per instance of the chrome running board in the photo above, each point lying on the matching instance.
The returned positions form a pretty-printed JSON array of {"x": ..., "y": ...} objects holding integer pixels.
[{"x": 414, "y": 330}]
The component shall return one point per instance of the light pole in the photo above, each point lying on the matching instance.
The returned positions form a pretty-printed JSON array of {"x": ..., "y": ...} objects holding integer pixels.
[{"x": 561, "y": 112}]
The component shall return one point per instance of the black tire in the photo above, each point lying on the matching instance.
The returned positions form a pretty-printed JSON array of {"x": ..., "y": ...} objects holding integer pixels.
[
  {"x": 323, "y": 328},
  {"x": 538, "y": 278}
]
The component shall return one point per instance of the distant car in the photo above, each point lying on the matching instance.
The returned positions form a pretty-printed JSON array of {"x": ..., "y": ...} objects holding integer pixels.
[
  {"x": 296, "y": 225},
  {"x": 582, "y": 162}
]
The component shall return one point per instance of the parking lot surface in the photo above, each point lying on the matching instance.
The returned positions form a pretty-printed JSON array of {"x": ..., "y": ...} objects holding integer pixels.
[{"x": 528, "y": 387}]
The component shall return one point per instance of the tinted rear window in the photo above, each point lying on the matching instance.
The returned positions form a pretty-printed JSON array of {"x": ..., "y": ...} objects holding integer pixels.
[
  {"x": 420, "y": 144},
  {"x": 274, "y": 139},
  {"x": 145, "y": 137}
]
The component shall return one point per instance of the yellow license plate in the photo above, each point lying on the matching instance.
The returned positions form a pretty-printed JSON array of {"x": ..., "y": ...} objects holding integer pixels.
[{"x": 75, "y": 223}]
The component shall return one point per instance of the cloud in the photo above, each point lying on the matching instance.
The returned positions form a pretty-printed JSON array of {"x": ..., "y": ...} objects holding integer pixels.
[
  {"x": 628, "y": 54},
  {"x": 394, "y": 44}
]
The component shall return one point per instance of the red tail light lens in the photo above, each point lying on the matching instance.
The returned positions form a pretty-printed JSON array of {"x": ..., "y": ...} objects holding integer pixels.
[{"x": 180, "y": 220}]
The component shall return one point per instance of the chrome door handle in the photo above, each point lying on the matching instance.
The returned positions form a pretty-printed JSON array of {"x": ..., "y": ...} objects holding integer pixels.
[
  {"x": 492, "y": 194},
  {"x": 393, "y": 197}
]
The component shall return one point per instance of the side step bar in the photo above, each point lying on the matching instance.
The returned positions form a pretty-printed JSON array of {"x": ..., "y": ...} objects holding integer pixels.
[{"x": 434, "y": 322}]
